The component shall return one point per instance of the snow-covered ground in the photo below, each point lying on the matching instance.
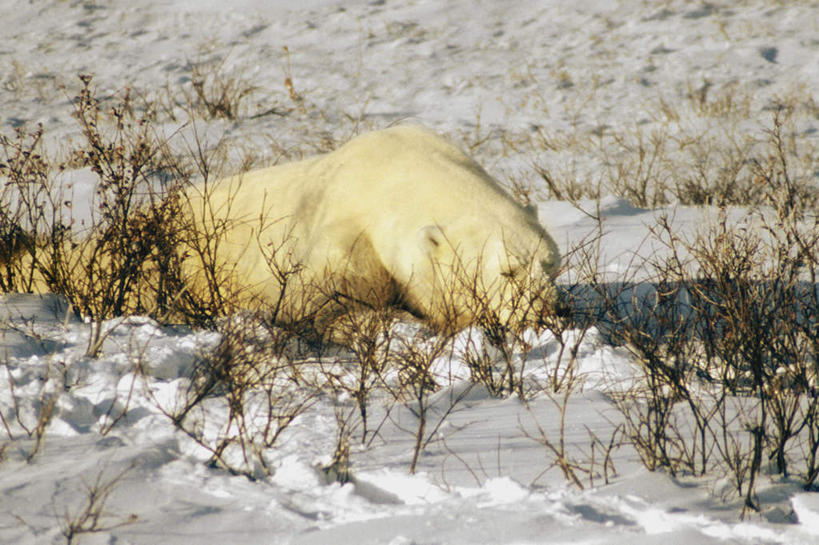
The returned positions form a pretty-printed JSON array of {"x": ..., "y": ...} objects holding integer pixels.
[{"x": 475, "y": 70}]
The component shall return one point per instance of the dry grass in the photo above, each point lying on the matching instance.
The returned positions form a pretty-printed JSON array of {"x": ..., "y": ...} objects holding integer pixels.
[{"x": 701, "y": 151}]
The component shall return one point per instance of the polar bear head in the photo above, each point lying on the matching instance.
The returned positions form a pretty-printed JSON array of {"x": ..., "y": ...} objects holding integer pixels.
[
  {"x": 471, "y": 272},
  {"x": 459, "y": 246}
]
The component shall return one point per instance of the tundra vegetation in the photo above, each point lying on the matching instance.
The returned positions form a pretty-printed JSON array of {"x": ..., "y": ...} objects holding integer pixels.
[{"x": 723, "y": 324}]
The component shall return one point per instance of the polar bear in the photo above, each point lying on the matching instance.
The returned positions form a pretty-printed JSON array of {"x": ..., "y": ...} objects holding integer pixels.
[{"x": 396, "y": 217}]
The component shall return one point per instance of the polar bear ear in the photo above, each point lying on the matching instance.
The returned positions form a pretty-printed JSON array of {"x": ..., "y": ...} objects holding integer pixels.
[{"x": 430, "y": 238}]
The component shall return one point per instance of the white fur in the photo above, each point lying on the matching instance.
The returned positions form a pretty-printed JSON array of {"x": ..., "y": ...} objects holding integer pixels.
[{"x": 394, "y": 211}]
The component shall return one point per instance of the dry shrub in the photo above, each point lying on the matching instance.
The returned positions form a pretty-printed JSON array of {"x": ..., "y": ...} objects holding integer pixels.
[
  {"x": 210, "y": 289},
  {"x": 418, "y": 381},
  {"x": 135, "y": 232},
  {"x": 128, "y": 260},
  {"x": 143, "y": 250},
  {"x": 727, "y": 340},
  {"x": 31, "y": 420},
  {"x": 25, "y": 202},
  {"x": 217, "y": 95},
  {"x": 213, "y": 92},
  {"x": 506, "y": 314},
  {"x": 704, "y": 150},
  {"x": 99, "y": 266},
  {"x": 369, "y": 338},
  {"x": 242, "y": 396},
  {"x": 406, "y": 365},
  {"x": 574, "y": 463},
  {"x": 576, "y": 313},
  {"x": 92, "y": 516}
]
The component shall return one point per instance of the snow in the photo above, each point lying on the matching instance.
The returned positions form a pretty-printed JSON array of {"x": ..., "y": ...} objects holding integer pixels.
[
  {"x": 482, "y": 482},
  {"x": 806, "y": 507},
  {"x": 463, "y": 67}
]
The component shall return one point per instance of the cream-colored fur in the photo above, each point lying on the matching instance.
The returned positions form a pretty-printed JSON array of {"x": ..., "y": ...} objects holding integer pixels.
[{"x": 397, "y": 216}]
